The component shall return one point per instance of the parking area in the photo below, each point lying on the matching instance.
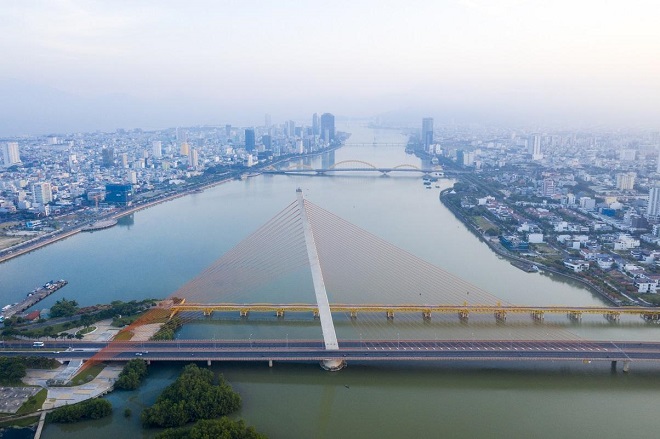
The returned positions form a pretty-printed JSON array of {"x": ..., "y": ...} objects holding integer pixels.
[{"x": 12, "y": 398}]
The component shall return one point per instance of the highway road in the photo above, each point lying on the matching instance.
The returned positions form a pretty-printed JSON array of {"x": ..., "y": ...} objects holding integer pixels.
[{"x": 366, "y": 350}]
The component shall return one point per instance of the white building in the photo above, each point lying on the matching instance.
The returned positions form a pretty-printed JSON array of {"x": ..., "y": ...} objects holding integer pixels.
[
  {"x": 625, "y": 181},
  {"x": 10, "y": 154},
  {"x": 41, "y": 193},
  {"x": 157, "y": 149},
  {"x": 653, "y": 207},
  {"x": 587, "y": 203}
]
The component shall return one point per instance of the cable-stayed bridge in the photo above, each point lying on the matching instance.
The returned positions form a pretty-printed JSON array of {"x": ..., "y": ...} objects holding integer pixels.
[{"x": 307, "y": 261}]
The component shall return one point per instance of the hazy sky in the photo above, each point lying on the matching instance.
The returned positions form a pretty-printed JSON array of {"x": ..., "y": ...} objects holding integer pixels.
[{"x": 81, "y": 65}]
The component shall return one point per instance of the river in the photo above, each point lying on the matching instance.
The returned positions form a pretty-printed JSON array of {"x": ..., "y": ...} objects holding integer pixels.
[{"x": 154, "y": 252}]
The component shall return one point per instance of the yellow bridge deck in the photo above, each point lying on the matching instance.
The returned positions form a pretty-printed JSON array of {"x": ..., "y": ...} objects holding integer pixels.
[{"x": 500, "y": 311}]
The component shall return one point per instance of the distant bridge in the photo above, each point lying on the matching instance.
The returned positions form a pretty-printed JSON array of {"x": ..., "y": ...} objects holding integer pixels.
[
  {"x": 352, "y": 166},
  {"x": 377, "y": 145}
]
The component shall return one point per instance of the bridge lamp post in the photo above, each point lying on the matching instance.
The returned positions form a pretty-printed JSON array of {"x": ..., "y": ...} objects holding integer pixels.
[
  {"x": 360, "y": 339},
  {"x": 250, "y": 340},
  {"x": 287, "y": 341},
  {"x": 398, "y": 340}
]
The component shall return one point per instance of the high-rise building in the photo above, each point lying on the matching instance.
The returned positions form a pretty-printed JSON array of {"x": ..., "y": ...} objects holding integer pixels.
[
  {"x": 10, "y": 154},
  {"x": 290, "y": 128},
  {"x": 120, "y": 194},
  {"x": 316, "y": 127},
  {"x": 625, "y": 181},
  {"x": 427, "y": 133},
  {"x": 157, "y": 149},
  {"x": 193, "y": 158},
  {"x": 653, "y": 208},
  {"x": 267, "y": 121},
  {"x": 108, "y": 157},
  {"x": 267, "y": 141},
  {"x": 548, "y": 187},
  {"x": 249, "y": 140},
  {"x": 41, "y": 193},
  {"x": 327, "y": 127},
  {"x": 124, "y": 160},
  {"x": 185, "y": 149},
  {"x": 228, "y": 131},
  {"x": 536, "y": 147}
]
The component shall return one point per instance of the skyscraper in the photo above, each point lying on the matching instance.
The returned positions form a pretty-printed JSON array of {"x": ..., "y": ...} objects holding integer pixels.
[
  {"x": 427, "y": 133},
  {"x": 10, "y": 155},
  {"x": 249, "y": 140},
  {"x": 193, "y": 158},
  {"x": 653, "y": 208},
  {"x": 315, "y": 125},
  {"x": 536, "y": 147},
  {"x": 267, "y": 120},
  {"x": 327, "y": 127},
  {"x": 184, "y": 149},
  {"x": 157, "y": 149},
  {"x": 108, "y": 157}
]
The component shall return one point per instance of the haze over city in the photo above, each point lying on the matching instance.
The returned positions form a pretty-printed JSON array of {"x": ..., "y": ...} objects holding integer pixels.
[{"x": 80, "y": 66}]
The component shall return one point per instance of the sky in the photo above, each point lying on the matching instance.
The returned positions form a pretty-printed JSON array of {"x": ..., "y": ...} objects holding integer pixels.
[{"x": 85, "y": 65}]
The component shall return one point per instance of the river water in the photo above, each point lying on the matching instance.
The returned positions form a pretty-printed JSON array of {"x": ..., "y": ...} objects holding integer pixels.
[{"x": 154, "y": 252}]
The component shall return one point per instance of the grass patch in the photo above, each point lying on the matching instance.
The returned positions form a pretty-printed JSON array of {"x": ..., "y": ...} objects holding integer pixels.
[
  {"x": 87, "y": 374},
  {"x": 484, "y": 224},
  {"x": 34, "y": 403},
  {"x": 86, "y": 330},
  {"x": 123, "y": 336},
  {"x": 23, "y": 422}
]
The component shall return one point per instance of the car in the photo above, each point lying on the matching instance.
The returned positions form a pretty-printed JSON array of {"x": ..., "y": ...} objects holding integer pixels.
[{"x": 138, "y": 354}]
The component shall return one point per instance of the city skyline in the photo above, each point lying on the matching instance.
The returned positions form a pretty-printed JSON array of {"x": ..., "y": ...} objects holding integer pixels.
[{"x": 83, "y": 66}]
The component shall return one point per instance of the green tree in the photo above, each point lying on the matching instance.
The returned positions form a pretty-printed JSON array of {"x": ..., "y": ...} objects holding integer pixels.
[
  {"x": 12, "y": 369},
  {"x": 191, "y": 397},
  {"x": 63, "y": 308},
  {"x": 90, "y": 409},
  {"x": 223, "y": 428}
]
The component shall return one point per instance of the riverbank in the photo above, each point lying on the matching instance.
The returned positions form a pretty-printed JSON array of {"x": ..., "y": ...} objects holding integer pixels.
[
  {"x": 115, "y": 216},
  {"x": 495, "y": 247}
]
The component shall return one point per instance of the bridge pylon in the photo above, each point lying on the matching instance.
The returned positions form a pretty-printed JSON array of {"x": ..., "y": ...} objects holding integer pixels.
[{"x": 327, "y": 326}]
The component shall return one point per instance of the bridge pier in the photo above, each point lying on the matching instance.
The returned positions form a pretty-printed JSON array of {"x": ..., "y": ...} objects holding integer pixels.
[
  {"x": 613, "y": 317},
  {"x": 207, "y": 312},
  {"x": 270, "y": 363},
  {"x": 538, "y": 316},
  {"x": 279, "y": 313},
  {"x": 426, "y": 315},
  {"x": 651, "y": 317},
  {"x": 389, "y": 314},
  {"x": 333, "y": 365},
  {"x": 626, "y": 366},
  {"x": 500, "y": 316},
  {"x": 244, "y": 313},
  {"x": 208, "y": 363},
  {"x": 463, "y": 316},
  {"x": 353, "y": 314},
  {"x": 613, "y": 366},
  {"x": 575, "y": 316}
]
